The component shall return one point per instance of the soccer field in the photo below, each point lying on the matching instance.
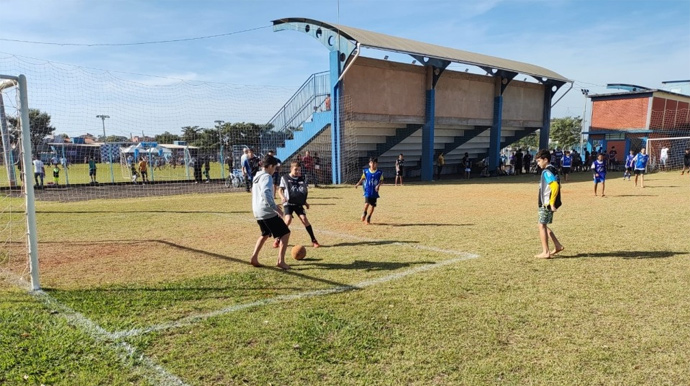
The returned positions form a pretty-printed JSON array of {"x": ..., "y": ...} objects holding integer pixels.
[{"x": 442, "y": 289}]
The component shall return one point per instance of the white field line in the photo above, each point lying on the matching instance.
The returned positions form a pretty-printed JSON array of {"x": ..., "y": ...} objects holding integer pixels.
[
  {"x": 190, "y": 320},
  {"x": 153, "y": 372}
]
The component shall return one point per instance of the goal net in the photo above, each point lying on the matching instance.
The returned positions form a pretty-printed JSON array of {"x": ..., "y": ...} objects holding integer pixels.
[
  {"x": 103, "y": 134},
  {"x": 666, "y": 154},
  {"x": 18, "y": 253}
]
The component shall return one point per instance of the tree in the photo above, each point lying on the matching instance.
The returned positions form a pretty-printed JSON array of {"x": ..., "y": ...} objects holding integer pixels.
[
  {"x": 39, "y": 128},
  {"x": 166, "y": 137},
  {"x": 117, "y": 138},
  {"x": 566, "y": 131},
  {"x": 190, "y": 133},
  {"x": 529, "y": 141}
]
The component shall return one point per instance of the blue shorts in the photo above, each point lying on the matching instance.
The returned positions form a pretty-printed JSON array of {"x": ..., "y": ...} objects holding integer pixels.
[{"x": 599, "y": 179}]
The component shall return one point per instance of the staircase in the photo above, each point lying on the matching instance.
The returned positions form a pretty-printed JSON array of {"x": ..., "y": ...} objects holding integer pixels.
[{"x": 301, "y": 118}]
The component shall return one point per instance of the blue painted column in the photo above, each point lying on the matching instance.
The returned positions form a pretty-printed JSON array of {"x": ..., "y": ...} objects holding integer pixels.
[
  {"x": 495, "y": 135},
  {"x": 546, "y": 117},
  {"x": 428, "y": 137},
  {"x": 336, "y": 135}
]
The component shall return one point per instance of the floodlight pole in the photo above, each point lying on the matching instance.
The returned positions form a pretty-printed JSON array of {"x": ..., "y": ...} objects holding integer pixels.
[
  {"x": 219, "y": 123},
  {"x": 585, "y": 92},
  {"x": 110, "y": 154}
]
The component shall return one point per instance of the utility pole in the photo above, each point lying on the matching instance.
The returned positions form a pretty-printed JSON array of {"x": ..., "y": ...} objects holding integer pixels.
[
  {"x": 585, "y": 92},
  {"x": 110, "y": 153},
  {"x": 219, "y": 124}
]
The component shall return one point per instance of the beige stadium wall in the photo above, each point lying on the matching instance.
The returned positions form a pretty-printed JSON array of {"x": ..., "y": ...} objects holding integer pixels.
[
  {"x": 464, "y": 96},
  {"x": 380, "y": 87},
  {"x": 523, "y": 104}
]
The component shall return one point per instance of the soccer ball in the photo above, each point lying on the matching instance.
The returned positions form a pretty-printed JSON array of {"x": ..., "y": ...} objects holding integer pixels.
[{"x": 299, "y": 252}]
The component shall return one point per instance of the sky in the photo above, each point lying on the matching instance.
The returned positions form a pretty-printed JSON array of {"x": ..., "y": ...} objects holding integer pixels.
[{"x": 592, "y": 43}]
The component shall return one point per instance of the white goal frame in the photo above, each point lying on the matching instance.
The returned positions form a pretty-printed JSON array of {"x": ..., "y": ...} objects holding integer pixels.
[
  {"x": 653, "y": 156},
  {"x": 27, "y": 186}
]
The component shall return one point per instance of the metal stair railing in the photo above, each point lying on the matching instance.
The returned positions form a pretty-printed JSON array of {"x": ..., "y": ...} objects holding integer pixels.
[{"x": 308, "y": 98}]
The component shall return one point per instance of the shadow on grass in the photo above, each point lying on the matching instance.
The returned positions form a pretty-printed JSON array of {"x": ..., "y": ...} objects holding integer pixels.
[
  {"x": 363, "y": 243},
  {"x": 224, "y": 257},
  {"x": 360, "y": 265},
  {"x": 628, "y": 254},
  {"x": 140, "y": 211},
  {"x": 422, "y": 225}
]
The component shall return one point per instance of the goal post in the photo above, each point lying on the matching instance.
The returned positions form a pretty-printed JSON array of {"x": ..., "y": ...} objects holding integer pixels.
[
  {"x": 19, "y": 82},
  {"x": 667, "y": 153}
]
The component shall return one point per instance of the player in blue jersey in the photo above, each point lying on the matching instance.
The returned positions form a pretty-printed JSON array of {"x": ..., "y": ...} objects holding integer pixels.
[
  {"x": 567, "y": 164},
  {"x": 549, "y": 202},
  {"x": 629, "y": 165},
  {"x": 640, "y": 162},
  {"x": 599, "y": 169},
  {"x": 371, "y": 181}
]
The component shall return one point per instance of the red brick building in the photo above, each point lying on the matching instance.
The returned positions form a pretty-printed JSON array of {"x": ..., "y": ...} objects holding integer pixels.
[{"x": 626, "y": 120}]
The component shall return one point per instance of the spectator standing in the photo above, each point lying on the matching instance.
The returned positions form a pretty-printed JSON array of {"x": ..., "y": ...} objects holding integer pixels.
[
  {"x": 567, "y": 165},
  {"x": 251, "y": 165},
  {"x": 663, "y": 158},
  {"x": 327, "y": 102},
  {"x": 467, "y": 165},
  {"x": 56, "y": 175},
  {"x": 144, "y": 170},
  {"x": 399, "y": 169},
  {"x": 518, "y": 161},
  {"x": 92, "y": 170},
  {"x": 308, "y": 165},
  {"x": 39, "y": 172},
  {"x": 207, "y": 169},
  {"x": 440, "y": 161},
  {"x": 612, "y": 158}
]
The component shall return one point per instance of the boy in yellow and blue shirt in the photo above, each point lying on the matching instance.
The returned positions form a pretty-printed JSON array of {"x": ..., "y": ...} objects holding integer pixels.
[{"x": 549, "y": 202}]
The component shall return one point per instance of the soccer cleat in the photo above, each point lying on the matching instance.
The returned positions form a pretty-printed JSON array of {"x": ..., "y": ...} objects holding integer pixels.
[
  {"x": 315, "y": 244},
  {"x": 276, "y": 243}
]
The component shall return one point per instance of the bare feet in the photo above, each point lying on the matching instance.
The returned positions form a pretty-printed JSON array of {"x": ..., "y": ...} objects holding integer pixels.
[
  {"x": 364, "y": 218},
  {"x": 543, "y": 256},
  {"x": 256, "y": 263},
  {"x": 283, "y": 266},
  {"x": 557, "y": 250}
]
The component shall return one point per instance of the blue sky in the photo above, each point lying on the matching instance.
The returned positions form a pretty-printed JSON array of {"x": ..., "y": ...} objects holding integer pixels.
[{"x": 590, "y": 42}]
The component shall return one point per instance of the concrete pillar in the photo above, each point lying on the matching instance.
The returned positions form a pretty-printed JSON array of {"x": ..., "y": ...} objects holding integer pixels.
[
  {"x": 336, "y": 134},
  {"x": 546, "y": 117},
  {"x": 427, "y": 170}
]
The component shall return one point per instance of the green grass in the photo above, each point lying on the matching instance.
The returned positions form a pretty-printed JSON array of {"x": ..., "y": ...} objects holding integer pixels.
[
  {"x": 612, "y": 310},
  {"x": 79, "y": 174}
]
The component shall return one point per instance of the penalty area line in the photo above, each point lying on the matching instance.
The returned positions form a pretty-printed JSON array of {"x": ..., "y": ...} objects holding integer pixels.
[
  {"x": 152, "y": 371},
  {"x": 190, "y": 320}
]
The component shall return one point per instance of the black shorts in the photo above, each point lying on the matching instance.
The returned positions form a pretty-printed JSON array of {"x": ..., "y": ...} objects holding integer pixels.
[
  {"x": 628, "y": 169},
  {"x": 638, "y": 172},
  {"x": 296, "y": 209},
  {"x": 370, "y": 200},
  {"x": 399, "y": 173},
  {"x": 565, "y": 170},
  {"x": 274, "y": 226},
  {"x": 92, "y": 172}
]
